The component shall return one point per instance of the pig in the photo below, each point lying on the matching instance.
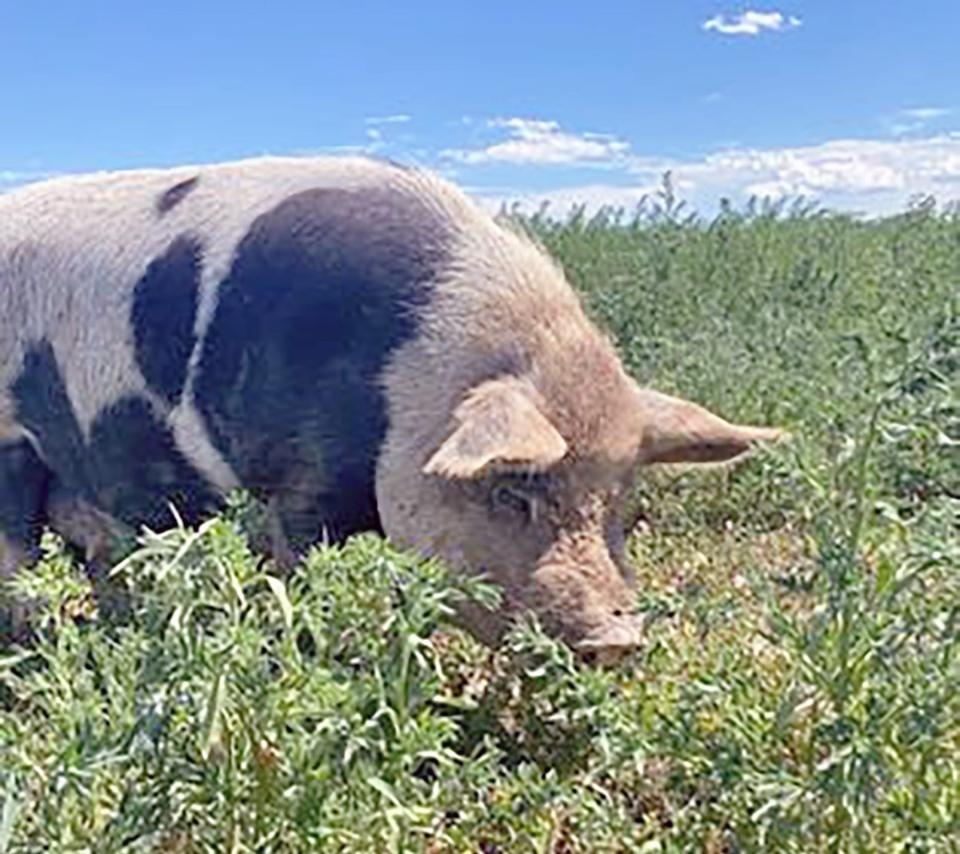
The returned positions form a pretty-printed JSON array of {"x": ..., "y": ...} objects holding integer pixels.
[{"x": 353, "y": 341}]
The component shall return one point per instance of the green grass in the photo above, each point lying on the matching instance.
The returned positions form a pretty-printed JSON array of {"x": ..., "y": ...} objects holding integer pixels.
[{"x": 800, "y": 688}]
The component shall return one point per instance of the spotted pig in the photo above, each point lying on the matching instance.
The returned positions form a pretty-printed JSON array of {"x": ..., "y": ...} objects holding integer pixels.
[{"x": 354, "y": 342}]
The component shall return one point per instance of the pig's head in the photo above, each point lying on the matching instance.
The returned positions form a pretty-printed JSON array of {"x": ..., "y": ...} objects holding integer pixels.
[{"x": 525, "y": 490}]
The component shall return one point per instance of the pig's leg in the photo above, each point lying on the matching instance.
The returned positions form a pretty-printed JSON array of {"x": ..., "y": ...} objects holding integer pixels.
[
  {"x": 94, "y": 535},
  {"x": 24, "y": 480}
]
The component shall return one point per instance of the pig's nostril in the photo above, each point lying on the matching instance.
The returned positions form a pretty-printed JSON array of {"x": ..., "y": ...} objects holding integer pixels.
[
  {"x": 618, "y": 613},
  {"x": 602, "y": 656}
]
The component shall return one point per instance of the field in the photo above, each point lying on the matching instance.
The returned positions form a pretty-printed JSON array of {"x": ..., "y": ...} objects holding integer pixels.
[{"x": 800, "y": 687}]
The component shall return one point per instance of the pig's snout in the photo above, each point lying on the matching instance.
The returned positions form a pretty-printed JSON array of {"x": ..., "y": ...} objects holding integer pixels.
[{"x": 611, "y": 642}]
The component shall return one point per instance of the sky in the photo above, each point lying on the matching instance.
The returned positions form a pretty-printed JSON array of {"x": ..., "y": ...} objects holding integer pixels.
[{"x": 851, "y": 104}]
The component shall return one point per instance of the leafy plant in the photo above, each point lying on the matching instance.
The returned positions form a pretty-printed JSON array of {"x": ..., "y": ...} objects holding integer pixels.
[{"x": 799, "y": 689}]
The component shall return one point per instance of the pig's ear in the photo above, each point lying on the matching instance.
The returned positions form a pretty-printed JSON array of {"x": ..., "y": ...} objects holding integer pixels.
[
  {"x": 677, "y": 431},
  {"x": 497, "y": 424}
]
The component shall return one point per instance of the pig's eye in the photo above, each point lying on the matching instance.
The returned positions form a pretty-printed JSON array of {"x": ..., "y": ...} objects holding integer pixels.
[
  {"x": 515, "y": 499},
  {"x": 522, "y": 494}
]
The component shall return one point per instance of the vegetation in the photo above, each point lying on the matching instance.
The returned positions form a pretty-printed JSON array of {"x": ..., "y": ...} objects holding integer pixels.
[{"x": 800, "y": 687}]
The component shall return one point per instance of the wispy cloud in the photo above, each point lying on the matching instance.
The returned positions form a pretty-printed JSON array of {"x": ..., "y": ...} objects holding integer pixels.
[
  {"x": 925, "y": 114},
  {"x": 394, "y": 119},
  {"x": 381, "y": 135},
  {"x": 869, "y": 175},
  {"x": 915, "y": 120},
  {"x": 846, "y": 166},
  {"x": 539, "y": 141},
  {"x": 751, "y": 23},
  {"x": 874, "y": 175}
]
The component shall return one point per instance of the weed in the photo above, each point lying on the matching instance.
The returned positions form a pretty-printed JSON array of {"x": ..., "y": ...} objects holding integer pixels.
[{"x": 799, "y": 689}]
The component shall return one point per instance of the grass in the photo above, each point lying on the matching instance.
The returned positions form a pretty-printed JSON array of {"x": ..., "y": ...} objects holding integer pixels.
[{"x": 800, "y": 688}]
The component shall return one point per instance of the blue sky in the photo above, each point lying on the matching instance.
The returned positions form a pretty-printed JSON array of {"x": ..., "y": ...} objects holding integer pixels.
[{"x": 855, "y": 104}]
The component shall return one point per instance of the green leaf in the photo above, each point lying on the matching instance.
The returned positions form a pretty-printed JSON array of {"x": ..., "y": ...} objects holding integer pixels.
[
  {"x": 280, "y": 593},
  {"x": 212, "y": 717},
  {"x": 386, "y": 790},
  {"x": 8, "y": 815}
]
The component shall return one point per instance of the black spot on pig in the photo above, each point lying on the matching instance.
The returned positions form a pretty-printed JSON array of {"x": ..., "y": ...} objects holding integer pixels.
[
  {"x": 130, "y": 468},
  {"x": 163, "y": 315},
  {"x": 323, "y": 289},
  {"x": 172, "y": 197}
]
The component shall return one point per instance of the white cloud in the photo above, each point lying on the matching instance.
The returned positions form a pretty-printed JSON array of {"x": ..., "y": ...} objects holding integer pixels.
[
  {"x": 874, "y": 175},
  {"x": 914, "y": 120},
  {"x": 925, "y": 114},
  {"x": 539, "y": 141},
  {"x": 853, "y": 166},
  {"x": 867, "y": 175},
  {"x": 751, "y": 23},
  {"x": 381, "y": 133},
  {"x": 395, "y": 119}
]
